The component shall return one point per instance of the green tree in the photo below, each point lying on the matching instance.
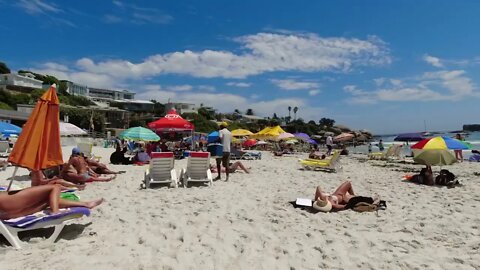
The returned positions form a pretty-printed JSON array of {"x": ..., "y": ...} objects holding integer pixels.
[
  {"x": 249, "y": 112},
  {"x": 158, "y": 108},
  {"x": 62, "y": 88},
  {"x": 35, "y": 94},
  {"x": 206, "y": 113},
  {"x": 295, "y": 110},
  {"x": 237, "y": 111},
  {"x": 326, "y": 122},
  {"x": 4, "y": 69},
  {"x": 202, "y": 124},
  {"x": 81, "y": 118},
  {"x": 275, "y": 116},
  {"x": 5, "y": 106},
  {"x": 289, "y": 110}
]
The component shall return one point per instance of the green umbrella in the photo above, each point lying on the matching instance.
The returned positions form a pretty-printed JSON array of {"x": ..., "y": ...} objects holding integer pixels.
[
  {"x": 432, "y": 157},
  {"x": 139, "y": 134}
]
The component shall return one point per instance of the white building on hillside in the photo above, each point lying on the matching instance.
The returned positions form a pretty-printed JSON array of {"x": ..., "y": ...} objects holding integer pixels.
[
  {"x": 24, "y": 80},
  {"x": 181, "y": 107},
  {"x": 109, "y": 95},
  {"x": 76, "y": 89}
]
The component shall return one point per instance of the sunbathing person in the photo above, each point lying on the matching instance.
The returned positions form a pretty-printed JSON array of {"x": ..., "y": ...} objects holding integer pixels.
[
  {"x": 425, "y": 177},
  {"x": 31, "y": 200},
  {"x": 231, "y": 168},
  {"x": 316, "y": 155},
  {"x": 98, "y": 167},
  {"x": 38, "y": 178},
  {"x": 343, "y": 198},
  {"x": 77, "y": 170}
]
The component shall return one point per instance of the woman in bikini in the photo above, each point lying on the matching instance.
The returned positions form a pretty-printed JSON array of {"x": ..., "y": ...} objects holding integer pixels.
[
  {"x": 337, "y": 200},
  {"x": 31, "y": 200}
]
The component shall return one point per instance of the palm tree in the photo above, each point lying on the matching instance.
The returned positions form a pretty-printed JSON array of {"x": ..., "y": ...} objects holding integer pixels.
[
  {"x": 295, "y": 110},
  {"x": 289, "y": 110}
]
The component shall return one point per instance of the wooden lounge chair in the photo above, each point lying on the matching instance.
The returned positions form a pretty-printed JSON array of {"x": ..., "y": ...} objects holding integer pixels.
[
  {"x": 198, "y": 169},
  {"x": 10, "y": 228},
  {"x": 161, "y": 170},
  {"x": 328, "y": 164}
]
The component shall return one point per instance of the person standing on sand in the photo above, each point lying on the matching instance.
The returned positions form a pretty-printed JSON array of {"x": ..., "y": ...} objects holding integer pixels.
[
  {"x": 380, "y": 145},
  {"x": 225, "y": 137},
  {"x": 329, "y": 143},
  {"x": 458, "y": 152}
]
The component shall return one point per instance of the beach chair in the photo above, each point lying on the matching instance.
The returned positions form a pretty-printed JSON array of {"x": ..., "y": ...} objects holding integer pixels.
[
  {"x": 385, "y": 155},
  {"x": 4, "y": 148},
  {"x": 198, "y": 169},
  {"x": 11, "y": 227},
  {"x": 328, "y": 164},
  {"x": 161, "y": 170},
  {"x": 86, "y": 149}
]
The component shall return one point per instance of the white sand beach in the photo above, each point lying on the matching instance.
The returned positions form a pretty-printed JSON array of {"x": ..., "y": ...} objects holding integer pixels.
[{"x": 248, "y": 222}]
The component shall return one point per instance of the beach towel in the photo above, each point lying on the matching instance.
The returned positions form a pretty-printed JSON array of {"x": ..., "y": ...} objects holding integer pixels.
[{"x": 43, "y": 216}]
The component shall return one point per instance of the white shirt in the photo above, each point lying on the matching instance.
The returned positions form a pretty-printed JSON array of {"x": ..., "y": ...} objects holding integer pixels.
[
  {"x": 329, "y": 140},
  {"x": 226, "y": 138}
]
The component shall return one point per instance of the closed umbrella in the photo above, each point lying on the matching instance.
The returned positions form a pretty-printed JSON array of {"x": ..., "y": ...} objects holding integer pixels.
[
  {"x": 139, "y": 134},
  {"x": 38, "y": 146}
]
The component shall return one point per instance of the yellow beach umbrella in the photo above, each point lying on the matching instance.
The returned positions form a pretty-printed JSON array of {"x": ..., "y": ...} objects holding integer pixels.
[{"x": 241, "y": 132}]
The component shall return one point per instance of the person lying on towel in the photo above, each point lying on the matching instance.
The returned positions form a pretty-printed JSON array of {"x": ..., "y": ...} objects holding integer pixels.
[
  {"x": 28, "y": 201},
  {"x": 231, "y": 168},
  {"x": 38, "y": 178},
  {"x": 343, "y": 198}
]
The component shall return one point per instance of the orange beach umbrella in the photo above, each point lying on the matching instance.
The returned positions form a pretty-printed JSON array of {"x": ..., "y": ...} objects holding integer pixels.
[{"x": 38, "y": 146}]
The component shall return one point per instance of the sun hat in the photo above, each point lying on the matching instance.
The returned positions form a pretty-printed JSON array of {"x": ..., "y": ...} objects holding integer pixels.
[
  {"x": 322, "y": 206},
  {"x": 76, "y": 151}
]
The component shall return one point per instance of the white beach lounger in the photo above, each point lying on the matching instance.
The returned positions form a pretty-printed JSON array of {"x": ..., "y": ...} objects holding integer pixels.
[
  {"x": 198, "y": 169},
  {"x": 11, "y": 227},
  {"x": 161, "y": 170},
  {"x": 4, "y": 149}
]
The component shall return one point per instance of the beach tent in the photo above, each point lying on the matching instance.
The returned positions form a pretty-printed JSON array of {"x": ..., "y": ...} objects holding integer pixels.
[
  {"x": 268, "y": 133},
  {"x": 38, "y": 146},
  {"x": 7, "y": 129},
  {"x": 171, "y": 122},
  {"x": 69, "y": 129}
]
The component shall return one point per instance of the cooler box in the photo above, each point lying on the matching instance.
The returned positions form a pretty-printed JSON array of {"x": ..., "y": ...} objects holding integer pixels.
[{"x": 215, "y": 149}]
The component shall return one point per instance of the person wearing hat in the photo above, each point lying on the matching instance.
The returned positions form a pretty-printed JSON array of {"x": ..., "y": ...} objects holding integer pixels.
[
  {"x": 325, "y": 202},
  {"x": 77, "y": 170},
  {"x": 225, "y": 137}
]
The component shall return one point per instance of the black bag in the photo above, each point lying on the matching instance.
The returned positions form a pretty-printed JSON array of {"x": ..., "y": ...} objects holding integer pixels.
[{"x": 445, "y": 178}]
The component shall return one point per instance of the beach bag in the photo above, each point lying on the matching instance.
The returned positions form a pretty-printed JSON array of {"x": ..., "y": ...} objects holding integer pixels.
[
  {"x": 365, "y": 207},
  {"x": 445, "y": 178}
]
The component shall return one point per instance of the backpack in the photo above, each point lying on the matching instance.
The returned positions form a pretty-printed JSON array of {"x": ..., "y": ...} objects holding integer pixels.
[{"x": 445, "y": 178}]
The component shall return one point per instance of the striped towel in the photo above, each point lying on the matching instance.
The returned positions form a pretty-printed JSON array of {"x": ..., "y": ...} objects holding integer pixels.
[{"x": 42, "y": 216}]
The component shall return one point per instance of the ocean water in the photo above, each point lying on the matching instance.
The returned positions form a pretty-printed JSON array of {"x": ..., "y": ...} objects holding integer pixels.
[{"x": 473, "y": 138}]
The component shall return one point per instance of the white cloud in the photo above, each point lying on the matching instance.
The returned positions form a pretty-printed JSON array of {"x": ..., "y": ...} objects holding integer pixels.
[
  {"x": 174, "y": 88},
  {"x": 432, "y": 60},
  {"x": 314, "y": 92},
  {"x": 239, "y": 84},
  {"x": 262, "y": 52},
  {"x": 37, "y": 7},
  {"x": 225, "y": 102},
  {"x": 289, "y": 84},
  {"x": 431, "y": 86},
  {"x": 138, "y": 15}
]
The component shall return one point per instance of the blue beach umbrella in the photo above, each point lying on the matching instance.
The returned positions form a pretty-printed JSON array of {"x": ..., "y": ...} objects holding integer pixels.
[
  {"x": 9, "y": 129},
  {"x": 409, "y": 137},
  {"x": 213, "y": 137}
]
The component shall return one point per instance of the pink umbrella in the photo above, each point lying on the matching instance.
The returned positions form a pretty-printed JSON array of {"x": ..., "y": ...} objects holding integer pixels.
[
  {"x": 285, "y": 135},
  {"x": 249, "y": 143}
]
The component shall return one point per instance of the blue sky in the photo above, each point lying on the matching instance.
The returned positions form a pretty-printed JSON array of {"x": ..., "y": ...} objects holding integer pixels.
[{"x": 381, "y": 65}]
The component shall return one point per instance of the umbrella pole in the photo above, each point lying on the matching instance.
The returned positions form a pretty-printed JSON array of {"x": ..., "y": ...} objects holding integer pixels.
[{"x": 13, "y": 176}]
